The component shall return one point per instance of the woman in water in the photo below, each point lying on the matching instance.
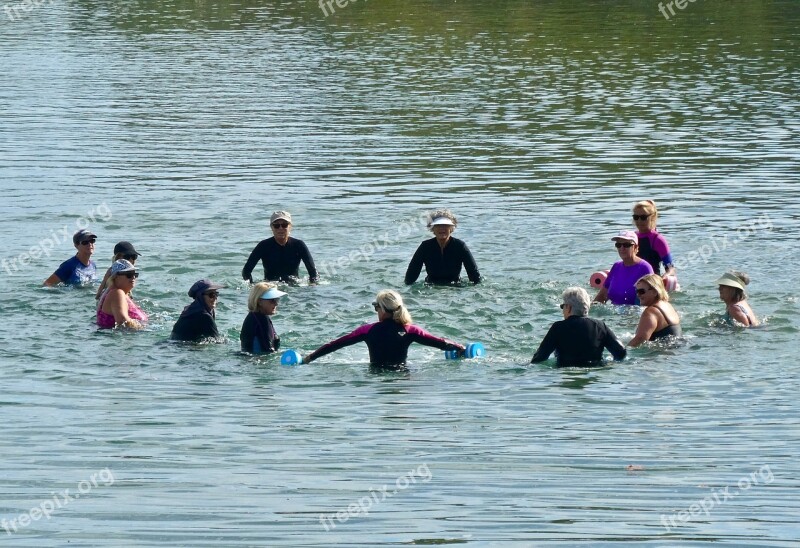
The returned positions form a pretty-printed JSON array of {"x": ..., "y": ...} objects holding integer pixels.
[
  {"x": 659, "y": 318},
  {"x": 578, "y": 340},
  {"x": 198, "y": 320},
  {"x": 116, "y": 307},
  {"x": 258, "y": 335},
  {"x": 619, "y": 286},
  {"x": 731, "y": 292},
  {"x": 123, "y": 250},
  {"x": 442, "y": 255},
  {"x": 281, "y": 254},
  {"x": 79, "y": 269},
  {"x": 653, "y": 247},
  {"x": 387, "y": 339}
]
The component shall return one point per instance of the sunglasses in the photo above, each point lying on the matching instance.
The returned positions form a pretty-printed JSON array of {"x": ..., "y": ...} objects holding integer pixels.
[
  {"x": 640, "y": 291},
  {"x": 562, "y": 305},
  {"x": 280, "y": 225},
  {"x": 212, "y": 294},
  {"x": 626, "y": 245},
  {"x": 131, "y": 275},
  {"x": 87, "y": 242},
  {"x": 376, "y": 306},
  {"x": 130, "y": 258},
  {"x": 640, "y": 217}
]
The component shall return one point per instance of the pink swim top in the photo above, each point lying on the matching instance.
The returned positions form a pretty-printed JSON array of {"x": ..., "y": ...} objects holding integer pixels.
[{"x": 106, "y": 320}]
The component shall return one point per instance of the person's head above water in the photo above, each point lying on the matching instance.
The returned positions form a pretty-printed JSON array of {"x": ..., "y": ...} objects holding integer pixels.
[
  {"x": 645, "y": 215},
  {"x": 125, "y": 250},
  {"x": 736, "y": 281},
  {"x": 575, "y": 301},
  {"x": 442, "y": 218},
  {"x": 389, "y": 304},
  {"x": 261, "y": 292},
  {"x": 203, "y": 286},
  {"x": 651, "y": 285},
  {"x": 281, "y": 224}
]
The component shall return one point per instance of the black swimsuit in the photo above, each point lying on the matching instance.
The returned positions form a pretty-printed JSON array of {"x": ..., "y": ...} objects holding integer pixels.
[{"x": 672, "y": 329}]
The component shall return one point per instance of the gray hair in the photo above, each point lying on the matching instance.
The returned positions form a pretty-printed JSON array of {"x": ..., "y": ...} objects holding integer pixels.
[
  {"x": 578, "y": 300},
  {"x": 446, "y": 213}
]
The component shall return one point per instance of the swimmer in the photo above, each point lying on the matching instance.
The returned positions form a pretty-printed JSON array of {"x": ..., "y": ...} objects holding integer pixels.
[
  {"x": 198, "y": 322},
  {"x": 258, "y": 335},
  {"x": 387, "y": 339},
  {"x": 280, "y": 255},
  {"x": 116, "y": 307},
  {"x": 80, "y": 269},
  {"x": 653, "y": 247},
  {"x": 619, "y": 286},
  {"x": 731, "y": 292},
  {"x": 578, "y": 340},
  {"x": 442, "y": 255},
  {"x": 123, "y": 250},
  {"x": 659, "y": 319}
]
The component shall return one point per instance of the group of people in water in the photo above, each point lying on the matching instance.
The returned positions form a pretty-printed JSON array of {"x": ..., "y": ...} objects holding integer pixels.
[{"x": 577, "y": 340}]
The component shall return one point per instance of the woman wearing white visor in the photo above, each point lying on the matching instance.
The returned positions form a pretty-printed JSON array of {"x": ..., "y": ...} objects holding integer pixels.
[
  {"x": 258, "y": 335},
  {"x": 442, "y": 255}
]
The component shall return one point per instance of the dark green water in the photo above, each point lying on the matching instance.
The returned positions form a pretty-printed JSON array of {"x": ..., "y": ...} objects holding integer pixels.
[{"x": 181, "y": 125}]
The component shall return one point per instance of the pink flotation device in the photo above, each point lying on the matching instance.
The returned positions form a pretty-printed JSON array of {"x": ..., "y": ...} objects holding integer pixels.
[
  {"x": 598, "y": 278},
  {"x": 671, "y": 283}
]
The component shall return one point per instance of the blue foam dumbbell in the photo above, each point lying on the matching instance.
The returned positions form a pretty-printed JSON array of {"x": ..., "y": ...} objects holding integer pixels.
[
  {"x": 291, "y": 357},
  {"x": 473, "y": 350}
]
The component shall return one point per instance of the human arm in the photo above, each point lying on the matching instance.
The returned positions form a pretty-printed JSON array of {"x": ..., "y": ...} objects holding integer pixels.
[
  {"x": 421, "y": 336},
  {"x": 247, "y": 334},
  {"x": 647, "y": 326},
  {"x": 118, "y": 303},
  {"x": 546, "y": 347},
  {"x": 102, "y": 284},
  {"x": 661, "y": 247},
  {"x": 308, "y": 261},
  {"x": 206, "y": 327},
  {"x": 613, "y": 344},
  {"x": 52, "y": 280},
  {"x": 351, "y": 338},
  {"x": 602, "y": 295},
  {"x": 415, "y": 266},
  {"x": 252, "y": 261},
  {"x": 471, "y": 266}
]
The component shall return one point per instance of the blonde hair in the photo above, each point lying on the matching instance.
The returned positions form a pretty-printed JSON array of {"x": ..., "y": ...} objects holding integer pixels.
[
  {"x": 391, "y": 302},
  {"x": 105, "y": 284},
  {"x": 446, "y": 213},
  {"x": 649, "y": 206},
  {"x": 655, "y": 281},
  {"x": 255, "y": 294}
]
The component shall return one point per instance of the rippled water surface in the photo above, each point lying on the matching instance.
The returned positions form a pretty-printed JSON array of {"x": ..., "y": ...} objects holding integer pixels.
[{"x": 181, "y": 125}]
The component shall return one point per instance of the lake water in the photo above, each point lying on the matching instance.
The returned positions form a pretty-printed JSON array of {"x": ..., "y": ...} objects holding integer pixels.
[{"x": 181, "y": 125}]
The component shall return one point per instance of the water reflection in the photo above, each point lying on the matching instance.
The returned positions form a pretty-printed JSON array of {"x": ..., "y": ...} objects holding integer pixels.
[{"x": 578, "y": 379}]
